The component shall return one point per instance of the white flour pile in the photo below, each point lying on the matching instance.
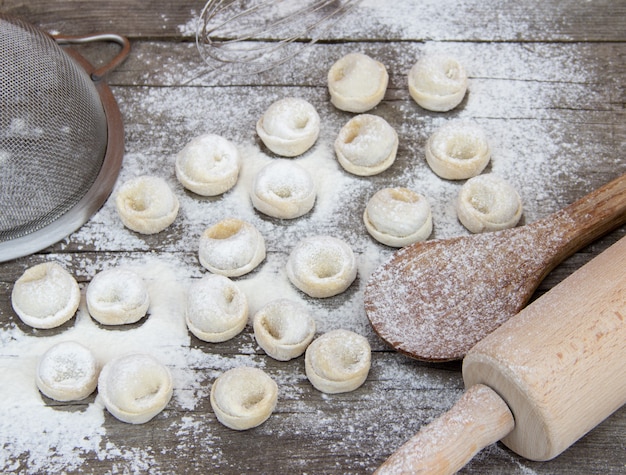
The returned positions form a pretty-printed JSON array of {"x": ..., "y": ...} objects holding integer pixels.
[{"x": 37, "y": 437}]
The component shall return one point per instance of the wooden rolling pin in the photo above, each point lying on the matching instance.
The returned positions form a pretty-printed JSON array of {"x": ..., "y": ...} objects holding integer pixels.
[{"x": 540, "y": 381}]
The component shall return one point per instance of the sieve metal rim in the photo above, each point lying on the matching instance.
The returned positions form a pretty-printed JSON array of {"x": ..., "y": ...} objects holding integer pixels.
[{"x": 100, "y": 190}]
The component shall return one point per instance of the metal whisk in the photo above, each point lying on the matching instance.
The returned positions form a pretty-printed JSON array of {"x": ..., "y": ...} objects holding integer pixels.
[{"x": 252, "y": 36}]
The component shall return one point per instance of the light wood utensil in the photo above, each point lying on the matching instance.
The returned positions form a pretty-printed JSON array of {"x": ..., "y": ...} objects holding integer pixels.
[
  {"x": 540, "y": 381},
  {"x": 434, "y": 300}
]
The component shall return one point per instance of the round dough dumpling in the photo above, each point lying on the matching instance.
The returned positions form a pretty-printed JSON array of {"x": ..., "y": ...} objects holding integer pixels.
[
  {"x": 322, "y": 266},
  {"x": 135, "y": 388},
  {"x": 357, "y": 83},
  {"x": 366, "y": 145},
  {"x": 117, "y": 297},
  {"x": 67, "y": 372},
  {"x": 217, "y": 310},
  {"x": 146, "y": 204},
  {"x": 289, "y": 127},
  {"x": 338, "y": 361},
  {"x": 458, "y": 150},
  {"x": 283, "y": 189},
  {"x": 208, "y": 165},
  {"x": 45, "y": 296},
  {"x": 244, "y": 397},
  {"x": 398, "y": 217},
  {"x": 437, "y": 83},
  {"x": 488, "y": 203},
  {"x": 284, "y": 329},
  {"x": 231, "y": 247}
]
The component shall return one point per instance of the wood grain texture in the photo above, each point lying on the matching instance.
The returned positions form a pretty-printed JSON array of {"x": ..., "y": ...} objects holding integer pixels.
[{"x": 576, "y": 109}]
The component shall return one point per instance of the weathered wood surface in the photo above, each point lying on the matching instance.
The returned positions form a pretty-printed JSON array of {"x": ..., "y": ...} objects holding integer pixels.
[{"x": 548, "y": 70}]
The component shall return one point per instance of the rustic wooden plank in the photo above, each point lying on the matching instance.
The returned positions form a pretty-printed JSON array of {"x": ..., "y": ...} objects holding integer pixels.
[{"x": 473, "y": 20}]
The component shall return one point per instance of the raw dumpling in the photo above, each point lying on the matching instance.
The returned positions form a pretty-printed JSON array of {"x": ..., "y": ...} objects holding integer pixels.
[
  {"x": 208, "y": 165},
  {"x": 146, "y": 204},
  {"x": 322, "y": 266},
  {"x": 217, "y": 309},
  {"x": 338, "y": 361},
  {"x": 398, "y": 217},
  {"x": 357, "y": 83},
  {"x": 231, "y": 247},
  {"x": 289, "y": 127},
  {"x": 117, "y": 297},
  {"x": 437, "y": 83},
  {"x": 458, "y": 150},
  {"x": 366, "y": 145},
  {"x": 283, "y": 328},
  {"x": 243, "y": 398},
  {"x": 45, "y": 296},
  {"x": 68, "y": 371},
  {"x": 283, "y": 189},
  {"x": 488, "y": 203},
  {"x": 135, "y": 388}
]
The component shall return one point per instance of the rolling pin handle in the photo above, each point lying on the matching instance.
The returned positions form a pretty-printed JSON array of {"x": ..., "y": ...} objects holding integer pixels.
[{"x": 479, "y": 418}]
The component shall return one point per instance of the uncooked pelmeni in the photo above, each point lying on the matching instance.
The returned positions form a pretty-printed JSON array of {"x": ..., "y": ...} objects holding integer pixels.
[
  {"x": 231, "y": 247},
  {"x": 68, "y": 371},
  {"x": 366, "y": 145},
  {"x": 135, "y": 388},
  {"x": 244, "y": 397},
  {"x": 283, "y": 189},
  {"x": 45, "y": 296},
  {"x": 398, "y": 217},
  {"x": 458, "y": 150},
  {"x": 216, "y": 309},
  {"x": 338, "y": 361},
  {"x": 437, "y": 83},
  {"x": 117, "y": 297},
  {"x": 146, "y": 204},
  {"x": 322, "y": 266},
  {"x": 357, "y": 83},
  {"x": 289, "y": 127},
  {"x": 488, "y": 203},
  {"x": 284, "y": 329},
  {"x": 208, "y": 165}
]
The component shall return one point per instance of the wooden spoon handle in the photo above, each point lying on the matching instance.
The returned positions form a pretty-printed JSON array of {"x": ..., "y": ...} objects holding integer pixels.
[
  {"x": 590, "y": 217},
  {"x": 445, "y": 445}
]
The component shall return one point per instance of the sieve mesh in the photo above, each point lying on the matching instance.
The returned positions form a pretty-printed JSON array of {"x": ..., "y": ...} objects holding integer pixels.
[
  {"x": 53, "y": 130},
  {"x": 61, "y": 138}
]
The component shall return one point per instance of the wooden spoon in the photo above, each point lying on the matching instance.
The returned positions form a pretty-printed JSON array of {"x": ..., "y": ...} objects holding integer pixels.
[{"x": 434, "y": 300}]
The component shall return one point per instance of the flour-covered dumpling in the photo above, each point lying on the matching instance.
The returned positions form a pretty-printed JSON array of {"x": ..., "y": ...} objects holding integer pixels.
[
  {"x": 216, "y": 309},
  {"x": 68, "y": 371},
  {"x": 208, "y": 165},
  {"x": 283, "y": 189},
  {"x": 488, "y": 203},
  {"x": 437, "y": 82},
  {"x": 146, "y": 204},
  {"x": 289, "y": 127},
  {"x": 45, "y": 296},
  {"x": 366, "y": 145},
  {"x": 283, "y": 328},
  {"x": 322, "y": 266},
  {"x": 231, "y": 247},
  {"x": 357, "y": 83},
  {"x": 398, "y": 217},
  {"x": 135, "y": 388},
  {"x": 117, "y": 297},
  {"x": 338, "y": 361},
  {"x": 458, "y": 150},
  {"x": 244, "y": 397}
]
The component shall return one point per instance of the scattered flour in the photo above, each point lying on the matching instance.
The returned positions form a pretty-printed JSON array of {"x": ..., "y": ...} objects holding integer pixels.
[{"x": 36, "y": 436}]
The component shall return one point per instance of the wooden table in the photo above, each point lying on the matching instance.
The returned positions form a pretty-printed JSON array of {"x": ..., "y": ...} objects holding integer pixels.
[{"x": 547, "y": 85}]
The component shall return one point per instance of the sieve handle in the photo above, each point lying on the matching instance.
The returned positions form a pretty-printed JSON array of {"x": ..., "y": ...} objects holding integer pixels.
[{"x": 99, "y": 73}]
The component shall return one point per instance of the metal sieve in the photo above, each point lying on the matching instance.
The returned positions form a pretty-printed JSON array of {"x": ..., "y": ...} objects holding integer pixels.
[{"x": 61, "y": 136}]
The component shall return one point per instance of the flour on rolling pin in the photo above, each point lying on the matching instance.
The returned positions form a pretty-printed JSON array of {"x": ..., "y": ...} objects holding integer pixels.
[{"x": 559, "y": 366}]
